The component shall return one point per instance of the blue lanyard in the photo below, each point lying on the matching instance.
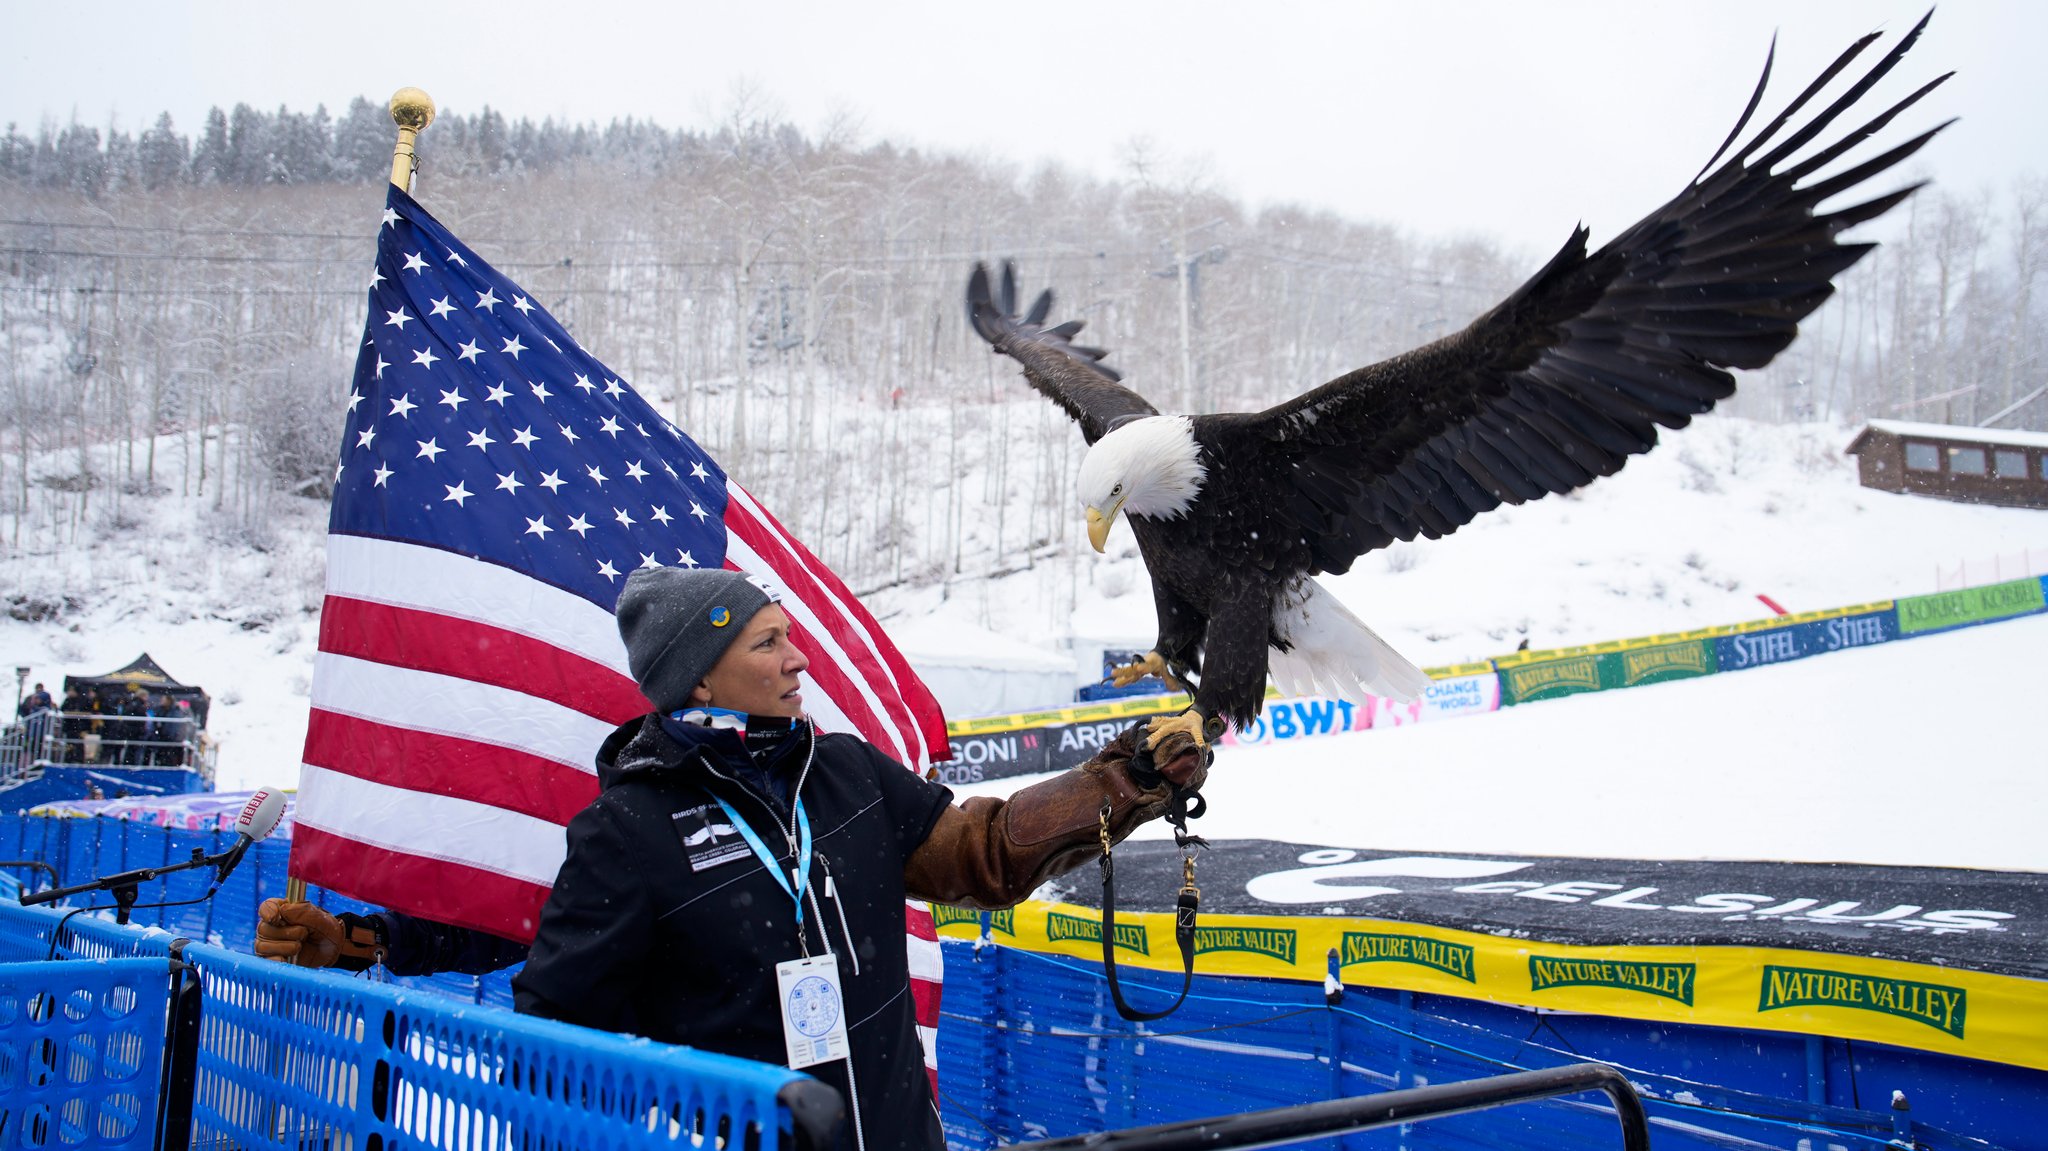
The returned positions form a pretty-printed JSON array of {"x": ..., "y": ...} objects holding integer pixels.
[{"x": 803, "y": 854}]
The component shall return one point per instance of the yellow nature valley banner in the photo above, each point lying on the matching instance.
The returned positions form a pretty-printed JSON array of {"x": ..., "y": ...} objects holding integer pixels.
[{"x": 1975, "y": 1015}]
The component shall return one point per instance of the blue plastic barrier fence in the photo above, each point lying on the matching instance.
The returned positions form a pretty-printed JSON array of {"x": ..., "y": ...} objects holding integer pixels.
[
  {"x": 25, "y": 934},
  {"x": 81, "y": 848},
  {"x": 304, "y": 1059},
  {"x": 81, "y": 1052}
]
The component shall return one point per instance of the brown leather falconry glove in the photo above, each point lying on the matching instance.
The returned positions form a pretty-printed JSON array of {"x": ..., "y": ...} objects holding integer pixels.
[
  {"x": 992, "y": 853},
  {"x": 307, "y": 936}
]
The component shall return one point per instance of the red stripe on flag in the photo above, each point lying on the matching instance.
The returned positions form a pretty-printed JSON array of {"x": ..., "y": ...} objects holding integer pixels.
[
  {"x": 925, "y": 706},
  {"x": 452, "y": 646},
  {"x": 448, "y": 765},
  {"x": 469, "y": 896},
  {"x": 925, "y": 994},
  {"x": 832, "y": 679},
  {"x": 797, "y": 570}
]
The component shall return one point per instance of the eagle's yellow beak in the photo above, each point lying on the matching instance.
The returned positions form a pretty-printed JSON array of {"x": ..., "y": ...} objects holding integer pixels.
[{"x": 1099, "y": 524}]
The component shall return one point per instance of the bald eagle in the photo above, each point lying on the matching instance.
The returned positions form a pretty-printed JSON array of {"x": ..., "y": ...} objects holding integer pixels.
[{"x": 1562, "y": 382}]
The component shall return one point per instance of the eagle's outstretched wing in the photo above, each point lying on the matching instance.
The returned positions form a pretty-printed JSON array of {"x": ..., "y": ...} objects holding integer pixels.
[
  {"x": 1572, "y": 374},
  {"x": 1070, "y": 375}
]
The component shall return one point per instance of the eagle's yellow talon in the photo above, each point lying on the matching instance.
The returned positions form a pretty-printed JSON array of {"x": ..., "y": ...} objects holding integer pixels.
[
  {"x": 1188, "y": 722},
  {"x": 1149, "y": 664}
]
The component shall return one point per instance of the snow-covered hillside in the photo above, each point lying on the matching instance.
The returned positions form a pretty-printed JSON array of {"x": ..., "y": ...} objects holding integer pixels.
[{"x": 1683, "y": 538}]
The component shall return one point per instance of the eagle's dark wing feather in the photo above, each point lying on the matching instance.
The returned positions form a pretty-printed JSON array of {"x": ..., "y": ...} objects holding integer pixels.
[
  {"x": 1574, "y": 372},
  {"x": 1070, "y": 375}
]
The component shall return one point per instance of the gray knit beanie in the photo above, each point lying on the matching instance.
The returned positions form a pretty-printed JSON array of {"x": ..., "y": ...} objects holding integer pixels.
[{"x": 677, "y": 622}]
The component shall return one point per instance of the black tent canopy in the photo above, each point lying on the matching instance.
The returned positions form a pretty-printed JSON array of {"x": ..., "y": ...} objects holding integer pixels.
[{"x": 144, "y": 673}]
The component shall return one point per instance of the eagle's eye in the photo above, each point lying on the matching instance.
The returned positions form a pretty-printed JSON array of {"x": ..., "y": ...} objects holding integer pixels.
[{"x": 1117, "y": 490}]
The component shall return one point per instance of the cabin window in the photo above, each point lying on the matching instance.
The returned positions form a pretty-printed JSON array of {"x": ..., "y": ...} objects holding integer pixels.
[
  {"x": 2007, "y": 465},
  {"x": 1966, "y": 461},
  {"x": 1923, "y": 457}
]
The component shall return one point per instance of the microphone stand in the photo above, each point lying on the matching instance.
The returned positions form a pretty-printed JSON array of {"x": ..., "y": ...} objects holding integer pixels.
[{"x": 124, "y": 885}]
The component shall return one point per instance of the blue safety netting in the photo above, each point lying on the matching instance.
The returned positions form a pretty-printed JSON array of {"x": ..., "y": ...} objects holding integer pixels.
[{"x": 81, "y": 1051}]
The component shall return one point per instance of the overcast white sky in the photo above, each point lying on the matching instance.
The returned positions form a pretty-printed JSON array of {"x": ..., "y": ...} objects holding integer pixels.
[{"x": 1510, "y": 120}]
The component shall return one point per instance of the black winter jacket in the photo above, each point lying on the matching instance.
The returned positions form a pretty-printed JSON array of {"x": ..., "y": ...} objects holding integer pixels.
[{"x": 663, "y": 926}]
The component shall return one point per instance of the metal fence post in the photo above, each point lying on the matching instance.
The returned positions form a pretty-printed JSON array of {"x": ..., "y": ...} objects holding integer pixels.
[{"x": 181, "y": 1055}]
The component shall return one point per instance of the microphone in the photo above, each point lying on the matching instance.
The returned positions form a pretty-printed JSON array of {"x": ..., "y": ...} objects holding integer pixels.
[{"x": 259, "y": 817}]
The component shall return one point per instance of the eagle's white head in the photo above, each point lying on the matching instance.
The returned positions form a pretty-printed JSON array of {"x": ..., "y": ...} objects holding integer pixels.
[{"x": 1148, "y": 467}]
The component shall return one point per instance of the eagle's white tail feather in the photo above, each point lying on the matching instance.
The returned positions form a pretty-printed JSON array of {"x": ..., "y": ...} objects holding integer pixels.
[{"x": 1334, "y": 654}]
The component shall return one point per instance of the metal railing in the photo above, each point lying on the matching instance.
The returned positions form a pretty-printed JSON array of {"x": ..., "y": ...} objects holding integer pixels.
[
  {"x": 1283, "y": 1125},
  {"x": 50, "y": 737}
]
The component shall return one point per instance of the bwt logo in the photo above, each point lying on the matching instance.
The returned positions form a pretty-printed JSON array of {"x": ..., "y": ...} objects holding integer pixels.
[{"x": 1299, "y": 719}]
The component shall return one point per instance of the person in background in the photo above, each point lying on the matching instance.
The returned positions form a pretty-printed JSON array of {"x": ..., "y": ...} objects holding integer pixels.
[
  {"x": 35, "y": 701},
  {"x": 77, "y": 721},
  {"x": 179, "y": 733},
  {"x": 131, "y": 727},
  {"x": 37, "y": 725},
  {"x": 94, "y": 708}
]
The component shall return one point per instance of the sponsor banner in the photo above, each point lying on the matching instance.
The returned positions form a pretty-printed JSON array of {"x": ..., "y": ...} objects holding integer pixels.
[
  {"x": 1525, "y": 680},
  {"x": 984, "y": 756},
  {"x": 1636, "y": 666},
  {"x": 1951, "y": 1011},
  {"x": 1994, "y": 921},
  {"x": 992, "y": 755},
  {"x": 1761, "y": 646},
  {"x": 1452, "y": 697},
  {"x": 1624, "y": 663},
  {"x": 1943, "y": 610},
  {"x": 1073, "y": 744},
  {"x": 1285, "y": 719}
]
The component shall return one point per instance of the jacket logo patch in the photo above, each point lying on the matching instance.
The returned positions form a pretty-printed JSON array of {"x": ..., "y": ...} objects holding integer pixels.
[{"x": 707, "y": 838}]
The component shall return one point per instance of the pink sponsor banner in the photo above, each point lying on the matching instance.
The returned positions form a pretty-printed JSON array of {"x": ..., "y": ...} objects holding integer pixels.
[
  {"x": 1451, "y": 698},
  {"x": 185, "y": 811},
  {"x": 1310, "y": 716}
]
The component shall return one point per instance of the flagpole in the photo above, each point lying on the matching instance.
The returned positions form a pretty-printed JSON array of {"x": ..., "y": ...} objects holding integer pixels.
[{"x": 412, "y": 110}]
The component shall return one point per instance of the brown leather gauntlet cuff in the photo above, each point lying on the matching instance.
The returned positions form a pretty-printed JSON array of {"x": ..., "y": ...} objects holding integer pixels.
[
  {"x": 992, "y": 853},
  {"x": 361, "y": 944}
]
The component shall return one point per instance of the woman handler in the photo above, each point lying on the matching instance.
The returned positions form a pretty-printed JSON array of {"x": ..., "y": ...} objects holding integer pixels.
[{"x": 738, "y": 884}]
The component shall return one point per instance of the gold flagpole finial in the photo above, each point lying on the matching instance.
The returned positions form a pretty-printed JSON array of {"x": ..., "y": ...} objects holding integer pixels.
[{"x": 412, "y": 110}]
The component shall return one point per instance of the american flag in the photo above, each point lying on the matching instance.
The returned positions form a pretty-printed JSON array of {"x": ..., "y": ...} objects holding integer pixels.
[{"x": 496, "y": 486}]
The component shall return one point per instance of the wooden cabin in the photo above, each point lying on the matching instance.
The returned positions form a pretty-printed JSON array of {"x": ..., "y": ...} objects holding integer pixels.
[{"x": 1968, "y": 465}]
